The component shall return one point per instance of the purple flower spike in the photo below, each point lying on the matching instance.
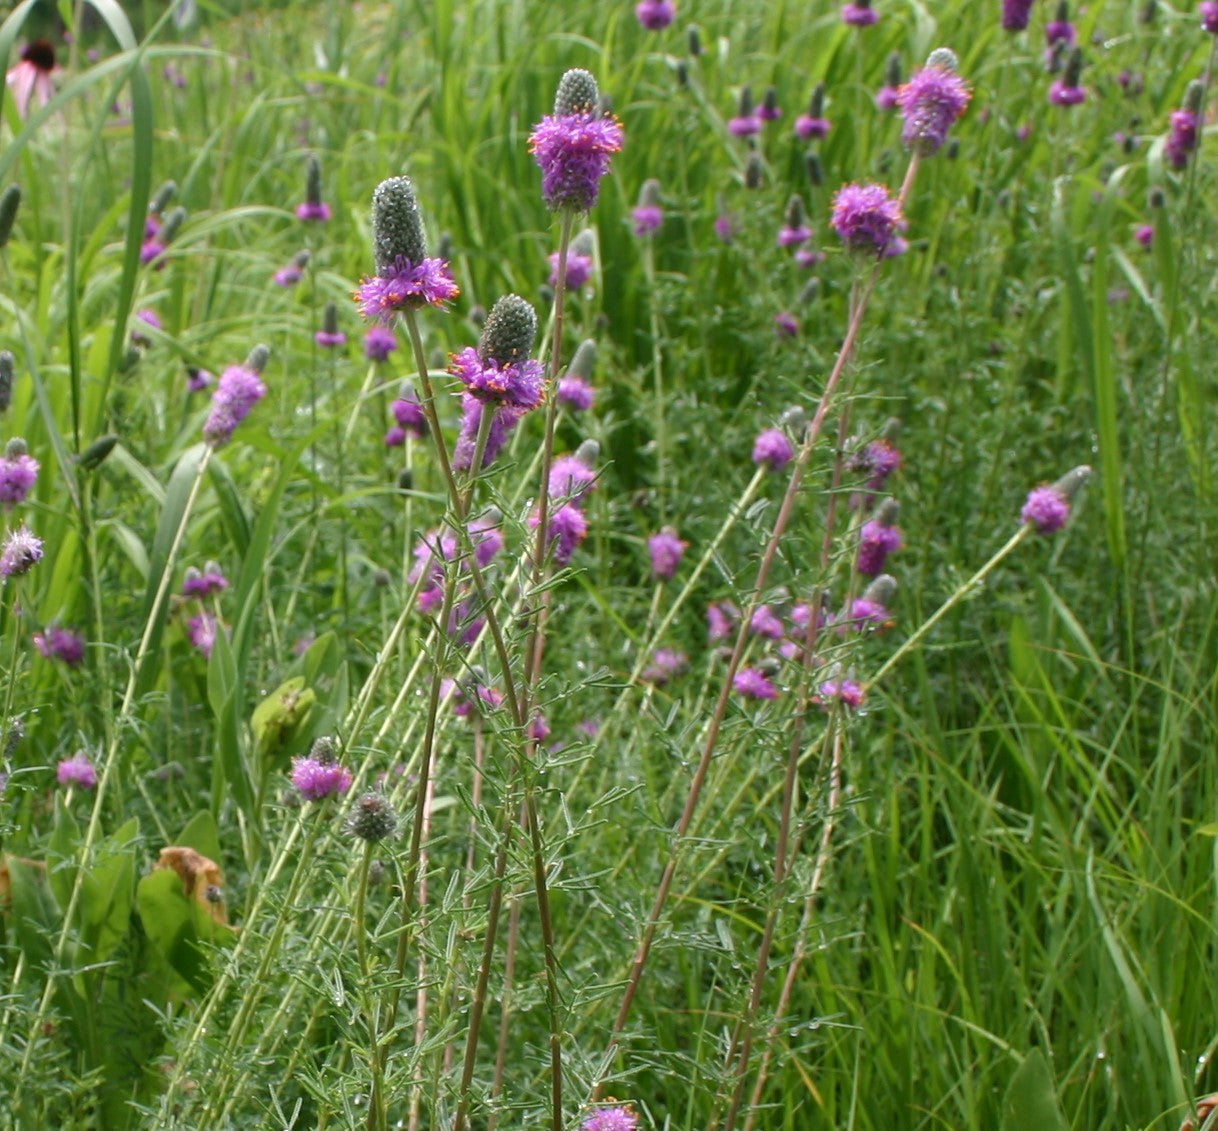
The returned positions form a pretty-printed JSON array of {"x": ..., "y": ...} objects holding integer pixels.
[
  {"x": 22, "y": 551},
  {"x": 665, "y": 665},
  {"x": 649, "y": 215},
  {"x": 566, "y": 529},
  {"x": 753, "y": 683},
  {"x": 808, "y": 128},
  {"x": 1209, "y": 16},
  {"x": 519, "y": 385},
  {"x": 316, "y": 780},
  {"x": 765, "y": 622},
  {"x": 786, "y": 324},
  {"x": 239, "y": 389},
  {"x": 1145, "y": 235},
  {"x": 574, "y": 145},
  {"x": 201, "y": 630},
  {"x": 61, "y": 644},
  {"x": 313, "y": 212},
  {"x": 570, "y": 479},
  {"x": 197, "y": 380},
  {"x": 579, "y": 270},
  {"x": 666, "y": 550},
  {"x": 655, "y": 15},
  {"x": 721, "y": 621},
  {"x": 1182, "y": 141},
  {"x": 773, "y": 449},
  {"x": 850, "y": 693},
  {"x": 575, "y": 393},
  {"x": 1016, "y": 14},
  {"x": 18, "y": 473},
  {"x": 406, "y": 286},
  {"x": 409, "y": 414},
  {"x": 379, "y": 343},
  {"x": 866, "y": 218},
  {"x": 930, "y": 102},
  {"x": 77, "y": 770},
  {"x": 1062, "y": 93},
  {"x": 502, "y": 424},
  {"x": 859, "y": 14},
  {"x": 878, "y": 538},
  {"x": 1047, "y": 509}
]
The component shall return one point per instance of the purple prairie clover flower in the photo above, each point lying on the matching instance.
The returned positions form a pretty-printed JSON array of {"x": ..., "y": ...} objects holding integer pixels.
[
  {"x": 34, "y": 75},
  {"x": 207, "y": 583},
  {"x": 198, "y": 380},
  {"x": 769, "y": 110},
  {"x": 314, "y": 209},
  {"x": 539, "y": 729},
  {"x": 1060, "y": 30},
  {"x": 519, "y": 385},
  {"x": 470, "y": 698},
  {"x": 879, "y": 460},
  {"x": 581, "y": 262},
  {"x": 931, "y": 102},
  {"x": 773, "y": 449},
  {"x": 408, "y": 414},
  {"x": 1068, "y": 90},
  {"x": 240, "y": 388},
  {"x": 406, "y": 278},
  {"x": 726, "y": 227},
  {"x": 886, "y": 96},
  {"x": 566, "y": 529},
  {"x": 786, "y": 324},
  {"x": 487, "y": 539},
  {"x": 22, "y": 551},
  {"x": 406, "y": 286},
  {"x": 721, "y": 620},
  {"x": 620, "y": 1117},
  {"x": 201, "y": 631},
  {"x": 666, "y": 664},
  {"x": 316, "y": 780},
  {"x": 666, "y": 549},
  {"x": 502, "y": 424},
  {"x": 1016, "y": 14},
  {"x": 866, "y": 217},
  {"x": 1183, "y": 139},
  {"x": 849, "y": 692},
  {"x": 794, "y": 230},
  {"x": 570, "y": 478},
  {"x": 575, "y": 393},
  {"x": 870, "y": 611},
  {"x": 1048, "y": 506},
  {"x": 290, "y": 275},
  {"x": 808, "y": 257},
  {"x": 574, "y": 145},
  {"x": 879, "y": 538},
  {"x": 753, "y": 683},
  {"x": 61, "y": 644},
  {"x": 649, "y": 215},
  {"x": 765, "y": 622},
  {"x": 859, "y": 14},
  {"x": 330, "y": 336},
  {"x": 379, "y": 343},
  {"x": 1209, "y": 16},
  {"x": 655, "y": 15},
  {"x": 813, "y": 126},
  {"x": 144, "y": 317},
  {"x": 18, "y": 473},
  {"x": 77, "y": 770},
  {"x": 747, "y": 121},
  {"x": 1145, "y": 234}
]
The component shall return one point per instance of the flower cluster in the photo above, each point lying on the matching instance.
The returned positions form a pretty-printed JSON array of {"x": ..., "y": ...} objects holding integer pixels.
[
  {"x": 867, "y": 218},
  {"x": 930, "y": 102},
  {"x": 240, "y": 388},
  {"x": 574, "y": 145},
  {"x": 666, "y": 550},
  {"x": 61, "y": 644}
]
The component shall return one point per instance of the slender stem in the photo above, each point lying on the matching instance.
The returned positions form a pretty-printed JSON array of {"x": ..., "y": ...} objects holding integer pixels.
[
  {"x": 657, "y": 361},
  {"x": 505, "y": 1007},
  {"x": 376, "y": 1099},
  {"x": 913, "y": 641}
]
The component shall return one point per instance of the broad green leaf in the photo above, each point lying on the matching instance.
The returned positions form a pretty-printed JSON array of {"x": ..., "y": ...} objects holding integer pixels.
[{"x": 1031, "y": 1102}]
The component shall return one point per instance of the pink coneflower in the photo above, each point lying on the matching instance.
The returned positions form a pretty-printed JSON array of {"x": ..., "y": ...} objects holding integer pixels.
[
  {"x": 500, "y": 371},
  {"x": 1145, "y": 235},
  {"x": 786, "y": 324},
  {"x": 765, "y": 622},
  {"x": 721, "y": 620},
  {"x": 33, "y": 75}
]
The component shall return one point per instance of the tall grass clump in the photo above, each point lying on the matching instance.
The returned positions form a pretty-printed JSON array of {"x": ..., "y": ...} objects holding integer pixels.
[{"x": 607, "y": 567}]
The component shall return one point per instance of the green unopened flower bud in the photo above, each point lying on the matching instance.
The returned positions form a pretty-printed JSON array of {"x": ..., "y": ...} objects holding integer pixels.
[
  {"x": 372, "y": 818},
  {"x": 1069, "y": 484},
  {"x": 397, "y": 224},
  {"x": 682, "y": 73},
  {"x": 405, "y": 480},
  {"x": 695, "y": 41},
  {"x": 584, "y": 243},
  {"x": 15, "y": 447},
  {"x": 584, "y": 360},
  {"x": 163, "y": 198},
  {"x": 444, "y": 246},
  {"x": 1194, "y": 96},
  {"x": 816, "y": 105},
  {"x": 882, "y": 590},
  {"x": 258, "y": 357},
  {"x": 577, "y": 94},
  {"x": 891, "y": 430},
  {"x": 744, "y": 108},
  {"x": 9, "y": 202},
  {"x": 795, "y": 211},
  {"x": 888, "y": 513},
  {"x": 794, "y": 420},
  {"x": 329, "y": 318},
  {"x": 6, "y": 379},
  {"x": 325, "y": 750},
  {"x": 1156, "y": 198},
  {"x": 649, "y": 194},
  {"x": 814, "y": 168},
  {"x": 510, "y": 330},
  {"x": 1149, "y": 12},
  {"x": 944, "y": 58},
  {"x": 95, "y": 454},
  {"x": 313, "y": 179},
  {"x": 301, "y": 259},
  {"x": 171, "y": 227},
  {"x": 892, "y": 70},
  {"x": 754, "y": 172},
  {"x": 588, "y": 453},
  {"x": 13, "y": 734},
  {"x": 604, "y": 105},
  {"x": 1074, "y": 68},
  {"x": 770, "y": 103},
  {"x": 809, "y": 291}
]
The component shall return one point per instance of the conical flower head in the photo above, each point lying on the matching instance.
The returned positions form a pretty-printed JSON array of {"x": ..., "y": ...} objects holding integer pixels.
[
  {"x": 372, "y": 817},
  {"x": 577, "y": 93},
  {"x": 258, "y": 357},
  {"x": 397, "y": 224},
  {"x": 509, "y": 332}
]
